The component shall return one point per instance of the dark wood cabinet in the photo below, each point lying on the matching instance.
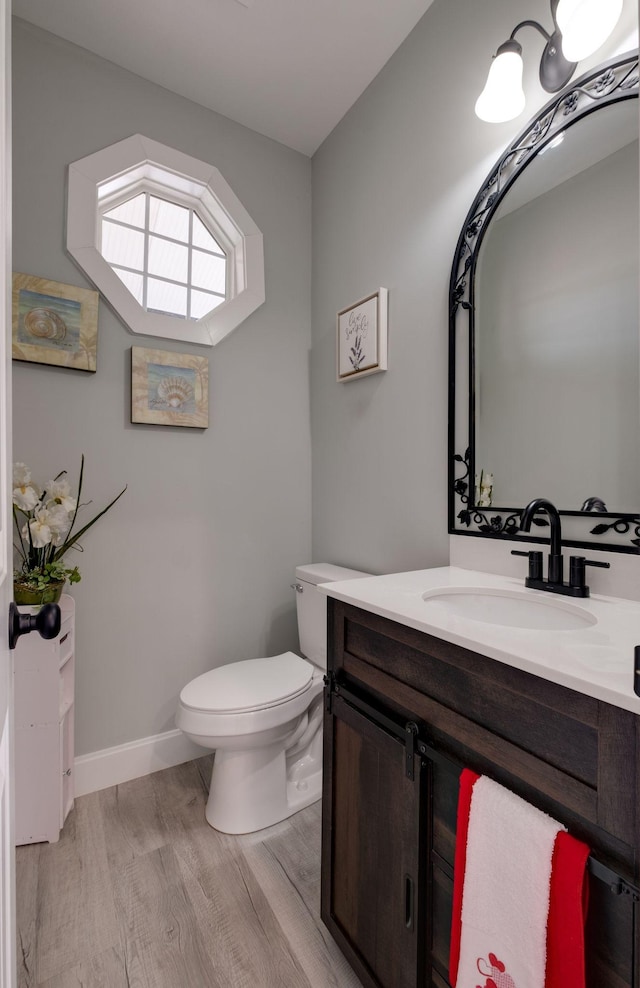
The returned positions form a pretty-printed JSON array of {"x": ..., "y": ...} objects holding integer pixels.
[
  {"x": 405, "y": 712},
  {"x": 375, "y": 841}
]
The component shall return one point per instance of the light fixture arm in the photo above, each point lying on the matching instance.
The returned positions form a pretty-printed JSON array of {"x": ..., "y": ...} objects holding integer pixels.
[
  {"x": 555, "y": 70},
  {"x": 534, "y": 24}
]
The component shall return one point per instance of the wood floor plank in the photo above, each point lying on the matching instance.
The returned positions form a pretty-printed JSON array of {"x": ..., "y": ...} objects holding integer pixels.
[
  {"x": 298, "y": 850},
  {"x": 131, "y": 820},
  {"x": 27, "y": 861},
  {"x": 218, "y": 916},
  {"x": 282, "y": 875},
  {"x": 75, "y": 908},
  {"x": 158, "y": 926},
  {"x": 105, "y": 970},
  {"x": 182, "y": 797}
]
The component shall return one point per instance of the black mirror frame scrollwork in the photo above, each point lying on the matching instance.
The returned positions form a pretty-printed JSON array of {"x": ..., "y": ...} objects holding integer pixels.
[{"x": 611, "y": 82}]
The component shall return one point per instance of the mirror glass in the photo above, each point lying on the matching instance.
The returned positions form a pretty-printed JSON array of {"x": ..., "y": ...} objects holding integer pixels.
[{"x": 557, "y": 346}]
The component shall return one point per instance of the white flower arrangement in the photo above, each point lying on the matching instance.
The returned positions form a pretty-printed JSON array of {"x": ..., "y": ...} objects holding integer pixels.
[{"x": 45, "y": 518}]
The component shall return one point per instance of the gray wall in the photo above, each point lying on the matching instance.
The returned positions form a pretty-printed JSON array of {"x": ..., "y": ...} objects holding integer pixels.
[
  {"x": 192, "y": 567},
  {"x": 391, "y": 188}
]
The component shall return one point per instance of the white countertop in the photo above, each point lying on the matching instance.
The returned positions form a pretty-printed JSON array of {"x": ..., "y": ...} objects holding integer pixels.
[{"x": 597, "y": 660}]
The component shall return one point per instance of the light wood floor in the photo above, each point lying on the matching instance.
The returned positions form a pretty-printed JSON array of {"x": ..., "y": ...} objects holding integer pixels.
[{"x": 141, "y": 893}]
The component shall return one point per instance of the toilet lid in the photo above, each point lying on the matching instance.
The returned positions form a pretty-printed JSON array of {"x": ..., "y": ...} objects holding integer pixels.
[{"x": 253, "y": 684}]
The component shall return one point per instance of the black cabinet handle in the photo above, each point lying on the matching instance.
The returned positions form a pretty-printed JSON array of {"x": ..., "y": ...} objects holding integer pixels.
[
  {"x": 535, "y": 562},
  {"x": 408, "y": 902},
  {"x": 47, "y": 622}
]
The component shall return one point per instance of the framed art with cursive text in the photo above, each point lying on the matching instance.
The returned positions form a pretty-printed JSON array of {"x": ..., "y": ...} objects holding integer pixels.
[{"x": 362, "y": 337}]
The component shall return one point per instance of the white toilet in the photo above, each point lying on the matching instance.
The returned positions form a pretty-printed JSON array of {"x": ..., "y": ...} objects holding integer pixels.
[{"x": 264, "y": 719}]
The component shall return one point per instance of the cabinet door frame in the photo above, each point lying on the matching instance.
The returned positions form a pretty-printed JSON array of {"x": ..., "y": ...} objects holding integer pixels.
[{"x": 388, "y": 736}]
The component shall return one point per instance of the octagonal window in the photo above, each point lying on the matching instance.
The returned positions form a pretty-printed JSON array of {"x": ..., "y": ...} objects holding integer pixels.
[
  {"x": 165, "y": 239},
  {"x": 165, "y": 256}
]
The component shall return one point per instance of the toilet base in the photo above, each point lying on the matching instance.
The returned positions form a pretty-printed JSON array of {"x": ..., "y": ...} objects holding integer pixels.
[{"x": 254, "y": 789}]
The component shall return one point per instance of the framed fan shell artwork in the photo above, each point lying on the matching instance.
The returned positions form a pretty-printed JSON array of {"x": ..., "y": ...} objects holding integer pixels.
[{"x": 169, "y": 388}]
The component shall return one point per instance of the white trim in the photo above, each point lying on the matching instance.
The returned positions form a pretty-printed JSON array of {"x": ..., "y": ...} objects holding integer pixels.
[
  {"x": 109, "y": 176},
  {"x": 111, "y": 766},
  {"x": 8, "y": 892}
]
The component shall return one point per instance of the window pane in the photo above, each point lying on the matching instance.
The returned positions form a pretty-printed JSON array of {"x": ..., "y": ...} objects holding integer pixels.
[
  {"x": 202, "y": 237},
  {"x": 208, "y": 271},
  {"x": 132, "y": 281},
  {"x": 168, "y": 219},
  {"x": 201, "y": 304},
  {"x": 123, "y": 246},
  {"x": 168, "y": 260},
  {"x": 131, "y": 211},
  {"x": 164, "y": 297}
]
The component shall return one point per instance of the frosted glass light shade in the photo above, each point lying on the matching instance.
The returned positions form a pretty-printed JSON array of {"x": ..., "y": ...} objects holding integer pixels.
[
  {"x": 503, "y": 96},
  {"x": 585, "y": 25}
]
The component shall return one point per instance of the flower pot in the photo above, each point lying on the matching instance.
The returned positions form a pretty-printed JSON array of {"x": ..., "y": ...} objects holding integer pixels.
[{"x": 29, "y": 596}]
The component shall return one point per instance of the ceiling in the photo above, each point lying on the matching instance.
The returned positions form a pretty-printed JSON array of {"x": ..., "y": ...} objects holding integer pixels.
[{"x": 289, "y": 69}]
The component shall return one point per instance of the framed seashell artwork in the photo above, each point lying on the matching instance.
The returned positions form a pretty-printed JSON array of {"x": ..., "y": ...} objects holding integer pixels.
[
  {"x": 54, "y": 323},
  {"x": 169, "y": 388}
]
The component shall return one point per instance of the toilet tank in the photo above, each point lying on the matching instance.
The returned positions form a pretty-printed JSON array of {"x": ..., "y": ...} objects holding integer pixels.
[{"x": 311, "y": 606}]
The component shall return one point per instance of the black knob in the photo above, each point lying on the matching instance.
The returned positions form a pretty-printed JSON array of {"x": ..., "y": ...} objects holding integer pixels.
[
  {"x": 47, "y": 622},
  {"x": 576, "y": 571},
  {"x": 535, "y": 562}
]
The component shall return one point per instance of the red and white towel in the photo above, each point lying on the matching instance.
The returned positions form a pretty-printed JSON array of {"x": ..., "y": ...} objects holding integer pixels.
[{"x": 518, "y": 897}]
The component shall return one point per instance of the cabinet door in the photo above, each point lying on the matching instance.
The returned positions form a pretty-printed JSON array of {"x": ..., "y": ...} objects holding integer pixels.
[{"x": 371, "y": 886}]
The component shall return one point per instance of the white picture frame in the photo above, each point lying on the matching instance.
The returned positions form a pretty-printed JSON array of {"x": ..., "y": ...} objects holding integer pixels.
[{"x": 361, "y": 344}]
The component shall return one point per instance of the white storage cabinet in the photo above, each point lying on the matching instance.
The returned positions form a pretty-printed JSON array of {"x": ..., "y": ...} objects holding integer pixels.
[{"x": 44, "y": 674}]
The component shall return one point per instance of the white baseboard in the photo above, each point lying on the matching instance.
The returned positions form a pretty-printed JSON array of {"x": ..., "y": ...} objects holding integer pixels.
[{"x": 111, "y": 766}]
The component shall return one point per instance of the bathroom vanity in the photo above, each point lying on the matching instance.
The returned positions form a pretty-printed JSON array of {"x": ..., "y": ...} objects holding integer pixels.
[{"x": 423, "y": 680}]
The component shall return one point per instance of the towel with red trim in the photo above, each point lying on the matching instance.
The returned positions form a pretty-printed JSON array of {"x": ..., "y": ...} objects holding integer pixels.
[{"x": 519, "y": 898}]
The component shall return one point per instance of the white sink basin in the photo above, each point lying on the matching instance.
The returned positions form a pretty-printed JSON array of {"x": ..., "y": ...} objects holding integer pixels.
[{"x": 509, "y": 608}]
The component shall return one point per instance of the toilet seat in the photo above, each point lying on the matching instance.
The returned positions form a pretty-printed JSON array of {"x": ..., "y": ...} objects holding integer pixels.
[{"x": 248, "y": 686}]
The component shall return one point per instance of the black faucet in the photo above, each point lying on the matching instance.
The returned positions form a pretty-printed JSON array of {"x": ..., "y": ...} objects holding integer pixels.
[
  {"x": 594, "y": 504},
  {"x": 554, "y": 582},
  {"x": 555, "y": 554}
]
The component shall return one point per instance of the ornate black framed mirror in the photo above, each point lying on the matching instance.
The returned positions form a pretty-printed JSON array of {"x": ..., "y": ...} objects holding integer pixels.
[{"x": 544, "y": 341}]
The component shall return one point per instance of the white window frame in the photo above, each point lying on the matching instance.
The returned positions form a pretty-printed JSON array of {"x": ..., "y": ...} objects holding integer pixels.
[{"x": 117, "y": 173}]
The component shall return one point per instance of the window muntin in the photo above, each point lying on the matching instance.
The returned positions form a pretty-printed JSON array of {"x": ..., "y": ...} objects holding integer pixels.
[{"x": 165, "y": 256}]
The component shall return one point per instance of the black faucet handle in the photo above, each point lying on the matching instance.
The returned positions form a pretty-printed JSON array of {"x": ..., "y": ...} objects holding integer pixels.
[
  {"x": 535, "y": 562},
  {"x": 577, "y": 566}
]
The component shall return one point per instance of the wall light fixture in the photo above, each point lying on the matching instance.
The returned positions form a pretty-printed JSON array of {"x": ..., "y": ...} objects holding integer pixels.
[{"x": 580, "y": 27}]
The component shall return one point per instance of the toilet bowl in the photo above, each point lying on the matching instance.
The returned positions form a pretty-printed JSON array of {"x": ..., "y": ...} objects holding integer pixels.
[{"x": 263, "y": 718}]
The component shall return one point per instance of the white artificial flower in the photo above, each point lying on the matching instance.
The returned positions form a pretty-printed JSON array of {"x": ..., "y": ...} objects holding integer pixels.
[
  {"x": 21, "y": 475},
  {"x": 59, "y": 522},
  {"x": 59, "y": 491},
  {"x": 40, "y": 529},
  {"x": 25, "y": 497}
]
